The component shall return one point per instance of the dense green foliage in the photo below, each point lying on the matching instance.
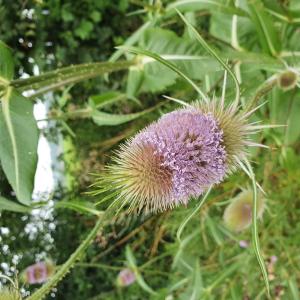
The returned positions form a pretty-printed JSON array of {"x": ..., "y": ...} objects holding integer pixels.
[{"x": 258, "y": 40}]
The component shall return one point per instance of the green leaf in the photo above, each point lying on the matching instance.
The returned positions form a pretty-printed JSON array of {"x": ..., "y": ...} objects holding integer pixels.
[
  {"x": 133, "y": 39},
  {"x": 285, "y": 109},
  {"x": 9, "y": 205},
  {"x": 84, "y": 29},
  {"x": 264, "y": 24},
  {"x": 54, "y": 80},
  {"x": 99, "y": 101},
  {"x": 211, "y": 5},
  {"x": 168, "y": 64},
  {"x": 6, "y": 64},
  {"x": 197, "y": 283},
  {"x": 210, "y": 50},
  {"x": 183, "y": 53},
  {"x": 79, "y": 206},
  {"x": 18, "y": 143},
  {"x": 103, "y": 118}
]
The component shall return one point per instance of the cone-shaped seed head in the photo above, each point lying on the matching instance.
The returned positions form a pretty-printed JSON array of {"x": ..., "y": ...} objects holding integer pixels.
[{"x": 238, "y": 214}]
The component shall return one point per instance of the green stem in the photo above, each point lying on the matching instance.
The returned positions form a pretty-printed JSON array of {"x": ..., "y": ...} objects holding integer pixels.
[
  {"x": 255, "y": 238},
  {"x": 65, "y": 268},
  {"x": 183, "y": 224},
  {"x": 53, "y": 80},
  {"x": 264, "y": 89}
]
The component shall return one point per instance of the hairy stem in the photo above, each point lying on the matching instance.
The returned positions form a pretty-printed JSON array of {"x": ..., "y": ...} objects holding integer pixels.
[{"x": 65, "y": 268}]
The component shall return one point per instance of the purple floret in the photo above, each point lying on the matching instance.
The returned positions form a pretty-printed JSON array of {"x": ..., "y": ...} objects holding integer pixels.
[{"x": 190, "y": 144}]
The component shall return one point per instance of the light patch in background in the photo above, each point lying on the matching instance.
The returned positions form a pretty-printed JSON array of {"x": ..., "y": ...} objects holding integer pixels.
[{"x": 44, "y": 178}]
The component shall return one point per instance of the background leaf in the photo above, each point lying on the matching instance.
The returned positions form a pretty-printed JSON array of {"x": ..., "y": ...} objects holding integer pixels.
[
  {"x": 183, "y": 53},
  {"x": 18, "y": 143},
  {"x": 6, "y": 204},
  {"x": 6, "y": 63},
  {"x": 264, "y": 24}
]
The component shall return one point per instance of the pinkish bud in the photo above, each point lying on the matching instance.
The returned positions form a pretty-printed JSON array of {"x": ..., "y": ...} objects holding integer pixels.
[
  {"x": 38, "y": 273},
  {"x": 126, "y": 277},
  {"x": 243, "y": 244}
]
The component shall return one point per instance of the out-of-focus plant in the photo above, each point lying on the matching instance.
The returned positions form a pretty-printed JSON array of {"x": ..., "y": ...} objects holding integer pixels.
[{"x": 255, "y": 41}]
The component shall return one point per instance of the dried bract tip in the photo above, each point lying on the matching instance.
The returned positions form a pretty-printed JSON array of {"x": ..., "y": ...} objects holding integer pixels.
[
  {"x": 288, "y": 79},
  {"x": 238, "y": 214}
]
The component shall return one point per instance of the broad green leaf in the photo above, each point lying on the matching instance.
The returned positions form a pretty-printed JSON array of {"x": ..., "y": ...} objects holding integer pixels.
[
  {"x": 102, "y": 118},
  {"x": 133, "y": 39},
  {"x": 264, "y": 24},
  {"x": 6, "y": 64},
  {"x": 53, "y": 80},
  {"x": 183, "y": 53},
  {"x": 79, "y": 206},
  {"x": 168, "y": 64},
  {"x": 211, "y": 5},
  {"x": 9, "y": 205},
  {"x": 18, "y": 143}
]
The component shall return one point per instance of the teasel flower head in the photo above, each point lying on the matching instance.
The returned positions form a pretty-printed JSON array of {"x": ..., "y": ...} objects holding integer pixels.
[
  {"x": 38, "y": 273},
  {"x": 238, "y": 214},
  {"x": 178, "y": 157}
]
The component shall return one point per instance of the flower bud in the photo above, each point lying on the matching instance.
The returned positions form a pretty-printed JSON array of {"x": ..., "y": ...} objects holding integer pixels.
[
  {"x": 238, "y": 214},
  {"x": 288, "y": 79},
  {"x": 126, "y": 277},
  {"x": 38, "y": 273}
]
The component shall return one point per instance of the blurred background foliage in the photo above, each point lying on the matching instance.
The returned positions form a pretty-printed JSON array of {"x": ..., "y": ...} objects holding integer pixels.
[{"x": 211, "y": 262}]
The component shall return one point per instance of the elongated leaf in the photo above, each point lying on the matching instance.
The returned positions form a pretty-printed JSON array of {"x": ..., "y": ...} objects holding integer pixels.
[
  {"x": 18, "y": 143},
  {"x": 211, "y": 5},
  {"x": 264, "y": 24},
  {"x": 53, "y": 80},
  {"x": 6, "y": 64},
  {"x": 102, "y": 100},
  {"x": 103, "y": 118},
  {"x": 294, "y": 288},
  {"x": 79, "y": 206},
  {"x": 6, "y": 204},
  {"x": 197, "y": 283}
]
